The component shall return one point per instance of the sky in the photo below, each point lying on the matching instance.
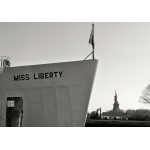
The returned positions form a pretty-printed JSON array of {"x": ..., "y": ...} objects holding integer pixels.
[{"x": 122, "y": 48}]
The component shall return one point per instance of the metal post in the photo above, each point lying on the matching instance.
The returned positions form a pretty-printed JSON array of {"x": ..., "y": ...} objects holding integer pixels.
[
  {"x": 93, "y": 52},
  {"x": 93, "y": 40}
]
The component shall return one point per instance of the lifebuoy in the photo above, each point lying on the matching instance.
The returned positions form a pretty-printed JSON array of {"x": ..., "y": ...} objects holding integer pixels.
[{"x": 6, "y": 63}]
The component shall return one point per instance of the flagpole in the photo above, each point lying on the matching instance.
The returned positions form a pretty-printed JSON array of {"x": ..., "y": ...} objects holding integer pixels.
[{"x": 93, "y": 40}]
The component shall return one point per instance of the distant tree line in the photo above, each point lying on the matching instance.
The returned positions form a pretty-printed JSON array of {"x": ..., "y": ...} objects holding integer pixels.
[
  {"x": 130, "y": 112},
  {"x": 142, "y": 112}
]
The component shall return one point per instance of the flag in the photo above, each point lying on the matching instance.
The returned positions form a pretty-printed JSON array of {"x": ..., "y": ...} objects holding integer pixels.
[{"x": 91, "y": 39}]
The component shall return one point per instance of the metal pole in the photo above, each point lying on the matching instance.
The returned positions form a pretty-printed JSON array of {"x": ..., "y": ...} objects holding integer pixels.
[
  {"x": 93, "y": 40},
  {"x": 100, "y": 114},
  {"x": 93, "y": 52}
]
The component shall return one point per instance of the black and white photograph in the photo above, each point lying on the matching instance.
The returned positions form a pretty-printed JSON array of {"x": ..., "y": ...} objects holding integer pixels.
[
  {"x": 74, "y": 74},
  {"x": 85, "y": 74}
]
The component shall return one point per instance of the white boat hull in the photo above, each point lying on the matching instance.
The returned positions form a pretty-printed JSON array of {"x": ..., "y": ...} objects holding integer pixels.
[{"x": 53, "y": 94}]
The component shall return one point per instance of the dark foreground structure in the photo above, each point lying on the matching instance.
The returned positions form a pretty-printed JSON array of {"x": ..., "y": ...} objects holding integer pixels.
[{"x": 116, "y": 123}]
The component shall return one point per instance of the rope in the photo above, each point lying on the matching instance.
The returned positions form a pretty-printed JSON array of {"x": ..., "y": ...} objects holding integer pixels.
[{"x": 88, "y": 55}]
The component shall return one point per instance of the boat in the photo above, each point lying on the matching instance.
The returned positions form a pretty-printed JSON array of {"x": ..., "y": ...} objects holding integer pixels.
[{"x": 46, "y": 95}]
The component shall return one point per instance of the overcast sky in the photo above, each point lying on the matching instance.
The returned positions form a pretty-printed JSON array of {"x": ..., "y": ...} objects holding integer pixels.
[{"x": 123, "y": 51}]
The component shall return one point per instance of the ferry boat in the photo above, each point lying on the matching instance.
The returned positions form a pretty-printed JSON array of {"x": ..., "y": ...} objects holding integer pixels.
[{"x": 46, "y": 95}]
